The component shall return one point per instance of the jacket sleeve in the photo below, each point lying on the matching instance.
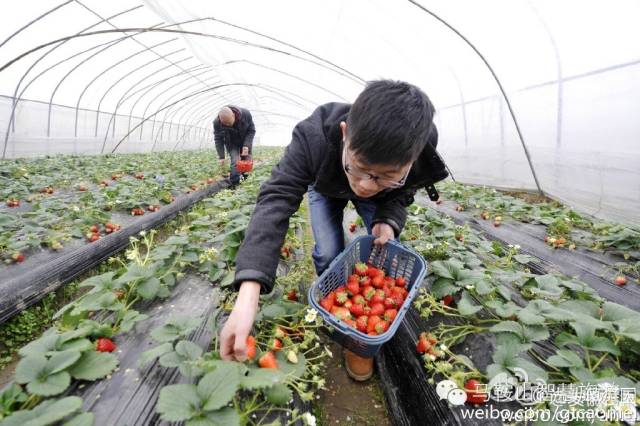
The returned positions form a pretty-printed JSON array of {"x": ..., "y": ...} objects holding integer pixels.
[
  {"x": 278, "y": 200},
  {"x": 218, "y": 137},
  {"x": 251, "y": 132}
]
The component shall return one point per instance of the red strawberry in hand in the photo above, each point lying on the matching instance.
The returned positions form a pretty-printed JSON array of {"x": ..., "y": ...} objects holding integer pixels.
[
  {"x": 268, "y": 360},
  {"x": 251, "y": 347},
  {"x": 104, "y": 344}
]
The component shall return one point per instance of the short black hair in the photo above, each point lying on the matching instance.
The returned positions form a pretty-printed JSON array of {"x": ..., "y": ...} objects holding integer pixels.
[{"x": 390, "y": 122}]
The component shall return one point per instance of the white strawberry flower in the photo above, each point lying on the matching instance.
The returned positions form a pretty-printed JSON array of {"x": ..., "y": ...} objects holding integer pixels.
[
  {"x": 309, "y": 419},
  {"x": 311, "y": 315}
]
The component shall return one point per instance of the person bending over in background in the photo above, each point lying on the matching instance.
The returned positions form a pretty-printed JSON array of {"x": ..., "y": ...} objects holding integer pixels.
[
  {"x": 377, "y": 153},
  {"x": 233, "y": 130}
]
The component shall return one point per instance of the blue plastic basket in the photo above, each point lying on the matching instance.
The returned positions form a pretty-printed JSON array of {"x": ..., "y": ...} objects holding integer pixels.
[{"x": 396, "y": 260}]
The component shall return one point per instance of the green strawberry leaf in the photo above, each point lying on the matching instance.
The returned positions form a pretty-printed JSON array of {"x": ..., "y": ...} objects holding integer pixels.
[
  {"x": 44, "y": 344},
  {"x": 217, "y": 388},
  {"x": 224, "y": 417},
  {"x": 148, "y": 288},
  {"x": 153, "y": 353},
  {"x": 61, "y": 360},
  {"x": 565, "y": 358},
  {"x": 84, "y": 419},
  {"x": 178, "y": 403},
  {"x": 442, "y": 287},
  {"x": 50, "y": 385},
  {"x": 47, "y": 412},
  {"x": 131, "y": 317},
  {"x": 279, "y": 394},
  {"x": 295, "y": 370},
  {"x": 260, "y": 378},
  {"x": 94, "y": 365},
  {"x": 467, "y": 306}
]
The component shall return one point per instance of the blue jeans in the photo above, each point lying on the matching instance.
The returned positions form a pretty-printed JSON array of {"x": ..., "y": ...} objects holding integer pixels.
[
  {"x": 326, "y": 222},
  {"x": 234, "y": 176}
]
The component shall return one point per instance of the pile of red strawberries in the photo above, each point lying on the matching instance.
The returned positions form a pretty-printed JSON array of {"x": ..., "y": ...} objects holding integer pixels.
[{"x": 369, "y": 301}]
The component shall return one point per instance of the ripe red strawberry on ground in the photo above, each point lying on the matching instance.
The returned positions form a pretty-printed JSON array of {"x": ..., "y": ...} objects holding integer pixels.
[
  {"x": 447, "y": 300},
  {"x": 292, "y": 295},
  {"x": 621, "y": 280},
  {"x": 423, "y": 344},
  {"x": 104, "y": 344},
  {"x": 474, "y": 394}
]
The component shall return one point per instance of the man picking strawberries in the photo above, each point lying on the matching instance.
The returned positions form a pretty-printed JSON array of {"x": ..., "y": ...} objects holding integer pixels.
[{"x": 375, "y": 153}]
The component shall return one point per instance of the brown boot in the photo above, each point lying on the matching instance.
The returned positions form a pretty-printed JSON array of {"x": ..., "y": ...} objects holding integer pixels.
[{"x": 358, "y": 368}]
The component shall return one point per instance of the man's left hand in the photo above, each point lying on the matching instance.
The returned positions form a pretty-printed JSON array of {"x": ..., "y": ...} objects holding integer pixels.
[{"x": 384, "y": 232}]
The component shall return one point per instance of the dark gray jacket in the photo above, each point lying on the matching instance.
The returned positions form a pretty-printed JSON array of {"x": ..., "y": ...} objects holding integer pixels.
[
  {"x": 314, "y": 156},
  {"x": 239, "y": 135}
]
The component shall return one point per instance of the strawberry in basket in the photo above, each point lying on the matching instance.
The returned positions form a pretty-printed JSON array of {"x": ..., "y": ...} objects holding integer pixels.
[{"x": 368, "y": 301}]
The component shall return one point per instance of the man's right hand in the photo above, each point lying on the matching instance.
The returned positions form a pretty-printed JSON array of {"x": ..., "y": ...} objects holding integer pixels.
[
  {"x": 233, "y": 337},
  {"x": 222, "y": 162}
]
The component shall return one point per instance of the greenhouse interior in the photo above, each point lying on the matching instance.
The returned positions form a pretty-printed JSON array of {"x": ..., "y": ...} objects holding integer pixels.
[{"x": 404, "y": 212}]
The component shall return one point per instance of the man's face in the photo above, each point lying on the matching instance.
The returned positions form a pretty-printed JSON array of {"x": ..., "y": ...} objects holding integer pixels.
[{"x": 365, "y": 179}]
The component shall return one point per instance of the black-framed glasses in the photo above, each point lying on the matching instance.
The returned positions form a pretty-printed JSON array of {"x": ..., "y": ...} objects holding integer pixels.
[{"x": 360, "y": 174}]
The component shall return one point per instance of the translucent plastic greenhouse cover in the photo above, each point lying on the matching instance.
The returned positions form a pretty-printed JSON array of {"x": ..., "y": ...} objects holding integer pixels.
[{"x": 89, "y": 76}]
